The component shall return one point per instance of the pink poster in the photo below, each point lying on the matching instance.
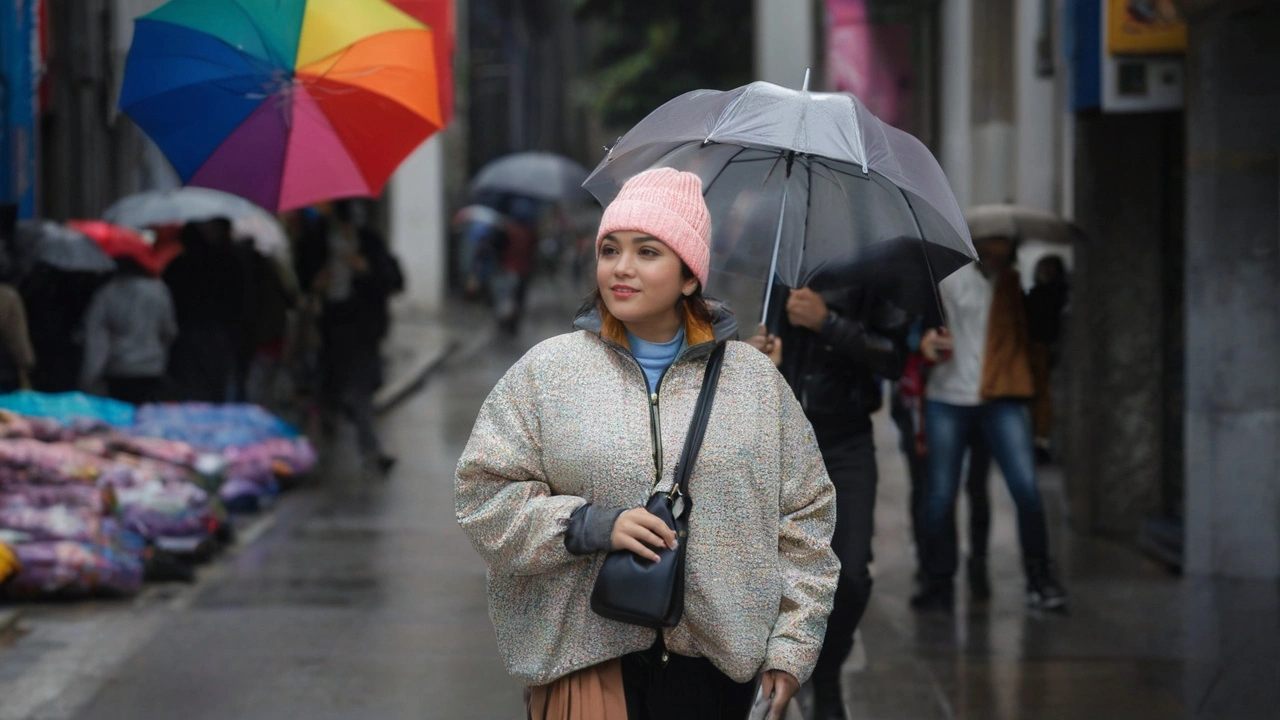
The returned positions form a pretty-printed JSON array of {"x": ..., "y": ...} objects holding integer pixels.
[{"x": 873, "y": 62}]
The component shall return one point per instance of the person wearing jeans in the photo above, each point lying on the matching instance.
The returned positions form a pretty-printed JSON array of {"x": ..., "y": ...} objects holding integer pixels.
[{"x": 982, "y": 380}]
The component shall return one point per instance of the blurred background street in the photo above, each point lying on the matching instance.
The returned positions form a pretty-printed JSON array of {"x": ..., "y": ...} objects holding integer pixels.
[{"x": 261, "y": 263}]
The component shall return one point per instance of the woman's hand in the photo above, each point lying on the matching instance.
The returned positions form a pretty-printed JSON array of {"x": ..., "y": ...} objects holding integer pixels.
[
  {"x": 770, "y": 345},
  {"x": 936, "y": 345},
  {"x": 639, "y": 531},
  {"x": 782, "y": 686}
]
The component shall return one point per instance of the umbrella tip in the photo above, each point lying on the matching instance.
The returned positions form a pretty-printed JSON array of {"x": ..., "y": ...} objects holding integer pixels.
[{"x": 806, "y": 80}]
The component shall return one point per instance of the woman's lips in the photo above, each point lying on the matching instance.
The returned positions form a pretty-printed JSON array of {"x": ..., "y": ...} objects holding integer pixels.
[{"x": 623, "y": 291}]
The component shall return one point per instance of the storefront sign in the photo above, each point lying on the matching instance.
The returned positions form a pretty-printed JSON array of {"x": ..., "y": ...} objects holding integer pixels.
[{"x": 1145, "y": 27}]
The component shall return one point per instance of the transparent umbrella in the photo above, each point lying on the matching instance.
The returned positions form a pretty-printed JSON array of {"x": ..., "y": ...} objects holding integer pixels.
[
  {"x": 194, "y": 204},
  {"x": 538, "y": 175},
  {"x": 808, "y": 188}
]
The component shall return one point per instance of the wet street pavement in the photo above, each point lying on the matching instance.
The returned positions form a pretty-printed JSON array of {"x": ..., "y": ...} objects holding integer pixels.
[{"x": 361, "y": 598}]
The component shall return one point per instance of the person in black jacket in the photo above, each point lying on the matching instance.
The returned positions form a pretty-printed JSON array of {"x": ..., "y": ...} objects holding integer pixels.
[
  {"x": 832, "y": 347},
  {"x": 355, "y": 274},
  {"x": 207, "y": 286}
]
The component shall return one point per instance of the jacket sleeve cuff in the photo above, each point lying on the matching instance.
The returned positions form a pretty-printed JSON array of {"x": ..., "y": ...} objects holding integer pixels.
[
  {"x": 791, "y": 657},
  {"x": 590, "y": 529}
]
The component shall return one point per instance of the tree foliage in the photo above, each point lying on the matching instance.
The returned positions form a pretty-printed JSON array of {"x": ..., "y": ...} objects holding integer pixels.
[{"x": 649, "y": 51}]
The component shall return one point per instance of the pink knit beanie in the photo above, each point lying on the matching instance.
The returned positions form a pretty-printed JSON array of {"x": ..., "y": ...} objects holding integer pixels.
[{"x": 668, "y": 205}]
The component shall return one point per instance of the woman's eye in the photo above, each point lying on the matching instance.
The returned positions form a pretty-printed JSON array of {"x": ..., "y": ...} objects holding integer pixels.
[
  {"x": 649, "y": 252},
  {"x": 608, "y": 250}
]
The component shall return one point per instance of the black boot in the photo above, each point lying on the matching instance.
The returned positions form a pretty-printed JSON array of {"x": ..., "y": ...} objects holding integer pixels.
[
  {"x": 979, "y": 581},
  {"x": 935, "y": 596},
  {"x": 828, "y": 703},
  {"x": 1043, "y": 591}
]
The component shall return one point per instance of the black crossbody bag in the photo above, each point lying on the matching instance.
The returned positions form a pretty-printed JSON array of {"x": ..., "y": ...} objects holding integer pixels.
[{"x": 632, "y": 590}]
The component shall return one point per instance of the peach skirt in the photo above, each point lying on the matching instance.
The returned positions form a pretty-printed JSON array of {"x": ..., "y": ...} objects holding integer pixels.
[{"x": 593, "y": 693}]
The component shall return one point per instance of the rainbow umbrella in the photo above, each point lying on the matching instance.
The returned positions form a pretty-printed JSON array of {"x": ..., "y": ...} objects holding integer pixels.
[{"x": 283, "y": 102}]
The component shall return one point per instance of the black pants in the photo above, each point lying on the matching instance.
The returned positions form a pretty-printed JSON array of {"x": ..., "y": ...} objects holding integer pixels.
[
  {"x": 916, "y": 471},
  {"x": 352, "y": 373},
  {"x": 851, "y": 463},
  {"x": 135, "y": 390},
  {"x": 201, "y": 363},
  {"x": 681, "y": 688}
]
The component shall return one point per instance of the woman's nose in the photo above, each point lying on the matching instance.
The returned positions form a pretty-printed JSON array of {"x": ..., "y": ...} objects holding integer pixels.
[{"x": 624, "y": 265}]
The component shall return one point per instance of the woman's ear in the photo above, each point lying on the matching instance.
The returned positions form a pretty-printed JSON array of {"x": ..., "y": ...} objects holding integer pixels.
[{"x": 690, "y": 287}]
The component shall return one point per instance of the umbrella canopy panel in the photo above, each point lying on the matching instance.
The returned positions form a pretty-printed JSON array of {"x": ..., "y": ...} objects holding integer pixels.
[{"x": 287, "y": 102}]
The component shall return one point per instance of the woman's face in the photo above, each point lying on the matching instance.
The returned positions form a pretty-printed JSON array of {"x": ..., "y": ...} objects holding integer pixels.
[{"x": 641, "y": 279}]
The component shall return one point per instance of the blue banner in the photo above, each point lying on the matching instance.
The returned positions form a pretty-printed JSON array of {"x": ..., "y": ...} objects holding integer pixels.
[{"x": 19, "y": 66}]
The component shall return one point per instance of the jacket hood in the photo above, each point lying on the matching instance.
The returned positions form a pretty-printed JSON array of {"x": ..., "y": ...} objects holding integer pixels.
[{"x": 724, "y": 327}]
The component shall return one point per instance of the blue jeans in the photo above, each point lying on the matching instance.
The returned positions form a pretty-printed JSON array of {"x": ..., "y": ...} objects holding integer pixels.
[{"x": 1006, "y": 427}]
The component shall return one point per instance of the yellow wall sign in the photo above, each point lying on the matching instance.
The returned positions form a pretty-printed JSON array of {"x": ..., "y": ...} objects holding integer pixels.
[{"x": 1145, "y": 27}]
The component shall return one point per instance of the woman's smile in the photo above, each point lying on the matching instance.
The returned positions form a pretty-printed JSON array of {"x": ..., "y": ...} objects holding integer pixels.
[{"x": 623, "y": 292}]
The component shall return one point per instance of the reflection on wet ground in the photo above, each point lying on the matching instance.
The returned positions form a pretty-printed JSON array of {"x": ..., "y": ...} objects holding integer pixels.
[{"x": 1137, "y": 643}]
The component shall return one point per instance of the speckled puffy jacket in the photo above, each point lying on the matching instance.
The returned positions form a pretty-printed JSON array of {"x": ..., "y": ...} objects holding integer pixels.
[{"x": 570, "y": 424}]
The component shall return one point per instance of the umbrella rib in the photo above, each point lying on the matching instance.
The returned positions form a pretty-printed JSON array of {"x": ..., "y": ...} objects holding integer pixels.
[
  {"x": 724, "y": 167},
  {"x": 924, "y": 248}
]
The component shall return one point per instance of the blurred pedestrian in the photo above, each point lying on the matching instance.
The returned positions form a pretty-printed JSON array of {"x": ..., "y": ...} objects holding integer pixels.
[
  {"x": 572, "y": 440},
  {"x": 1046, "y": 302},
  {"x": 832, "y": 347},
  {"x": 982, "y": 378},
  {"x": 56, "y": 302},
  {"x": 207, "y": 287},
  {"x": 269, "y": 297},
  {"x": 17, "y": 357},
  {"x": 355, "y": 275},
  {"x": 128, "y": 329},
  {"x": 908, "y": 402}
]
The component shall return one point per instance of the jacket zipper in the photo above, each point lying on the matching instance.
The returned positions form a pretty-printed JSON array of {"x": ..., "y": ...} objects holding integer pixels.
[{"x": 655, "y": 422}]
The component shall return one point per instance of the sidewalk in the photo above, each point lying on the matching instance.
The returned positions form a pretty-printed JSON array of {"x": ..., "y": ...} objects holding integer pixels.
[{"x": 1139, "y": 643}]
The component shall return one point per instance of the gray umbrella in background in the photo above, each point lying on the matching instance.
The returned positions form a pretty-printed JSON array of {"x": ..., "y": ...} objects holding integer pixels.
[
  {"x": 1020, "y": 223},
  {"x": 153, "y": 208},
  {"x": 542, "y": 176},
  {"x": 58, "y": 246},
  {"x": 808, "y": 188}
]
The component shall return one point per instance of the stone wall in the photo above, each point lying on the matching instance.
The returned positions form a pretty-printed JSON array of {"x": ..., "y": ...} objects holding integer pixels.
[
  {"x": 1233, "y": 290},
  {"x": 1120, "y": 320}
]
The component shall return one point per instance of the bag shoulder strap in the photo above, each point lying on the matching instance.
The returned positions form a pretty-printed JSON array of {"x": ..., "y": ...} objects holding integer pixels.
[{"x": 698, "y": 425}]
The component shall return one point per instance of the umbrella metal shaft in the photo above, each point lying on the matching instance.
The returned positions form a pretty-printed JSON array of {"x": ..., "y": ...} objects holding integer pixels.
[{"x": 773, "y": 264}]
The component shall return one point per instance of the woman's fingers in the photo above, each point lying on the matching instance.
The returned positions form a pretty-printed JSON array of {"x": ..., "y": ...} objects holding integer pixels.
[
  {"x": 639, "y": 548},
  {"x": 656, "y": 526},
  {"x": 785, "y": 686},
  {"x": 640, "y": 531}
]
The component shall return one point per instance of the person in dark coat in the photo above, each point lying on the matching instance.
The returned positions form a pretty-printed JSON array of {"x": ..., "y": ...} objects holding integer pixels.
[
  {"x": 1046, "y": 304},
  {"x": 354, "y": 273},
  {"x": 832, "y": 347},
  {"x": 207, "y": 286}
]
